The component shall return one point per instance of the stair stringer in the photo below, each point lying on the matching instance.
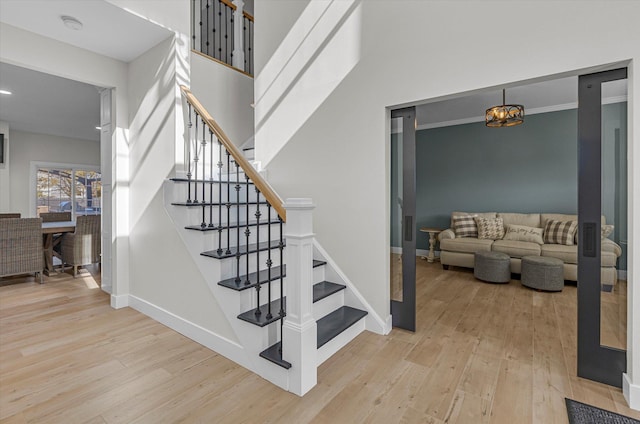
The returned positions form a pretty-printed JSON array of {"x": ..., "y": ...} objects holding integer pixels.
[
  {"x": 252, "y": 339},
  {"x": 352, "y": 297}
]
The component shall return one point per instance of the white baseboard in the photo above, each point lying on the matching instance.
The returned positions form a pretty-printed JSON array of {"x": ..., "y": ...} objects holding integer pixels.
[
  {"x": 121, "y": 301},
  {"x": 631, "y": 392},
  {"x": 388, "y": 325},
  {"x": 225, "y": 347}
]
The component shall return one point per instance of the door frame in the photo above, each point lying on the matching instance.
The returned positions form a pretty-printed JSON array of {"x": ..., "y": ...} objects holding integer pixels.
[
  {"x": 595, "y": 362},
  {"x": 403, "y": 313}
]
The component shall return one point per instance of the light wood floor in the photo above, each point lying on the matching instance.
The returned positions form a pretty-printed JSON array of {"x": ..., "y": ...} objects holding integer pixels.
[{"x": 483, "y": 353}]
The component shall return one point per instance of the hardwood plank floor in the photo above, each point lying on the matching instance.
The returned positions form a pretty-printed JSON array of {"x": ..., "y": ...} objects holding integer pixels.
[{"x": 483, "y": 353}]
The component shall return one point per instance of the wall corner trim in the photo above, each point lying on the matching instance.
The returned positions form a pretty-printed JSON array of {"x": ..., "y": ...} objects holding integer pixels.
[
  {"x": 631, "y": 392},
  {"x": 119, "y": 301}
]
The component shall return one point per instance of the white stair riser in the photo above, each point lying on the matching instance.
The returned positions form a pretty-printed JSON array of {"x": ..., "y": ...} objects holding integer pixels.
[
  {"x": 318, "y": 274},
  {"x": 327, "y": 305},
  {"x": 341, "y": 340}
]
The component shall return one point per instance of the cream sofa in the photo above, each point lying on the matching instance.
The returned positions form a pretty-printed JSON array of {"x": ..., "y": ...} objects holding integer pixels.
[{"x": 459, "y": 251}]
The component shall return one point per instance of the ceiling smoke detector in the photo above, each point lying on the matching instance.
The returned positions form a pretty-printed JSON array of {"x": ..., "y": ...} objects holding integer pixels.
[{"x": 71, "y": 22}]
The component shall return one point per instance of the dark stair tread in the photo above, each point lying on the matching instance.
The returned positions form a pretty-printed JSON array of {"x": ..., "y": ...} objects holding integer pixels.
[
  {"x": 325, "y": 289},
  {"x": 193, "y": 204},
  {"x": 231, "y": 283},
  {"x": 336, "y": 322},
  {"x": 261, "y": 320},
  {"x": 243, "y": 250},
  {"x": 185, "y": 180},
  {"x": 317, "y": 263},
  {"x": 231, "y": 227},
  {"x": 264, "y": 278},
  {"x": 274, "y": 355}
]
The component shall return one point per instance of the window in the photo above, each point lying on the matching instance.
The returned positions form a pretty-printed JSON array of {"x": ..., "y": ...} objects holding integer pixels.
[{"x": 72, "y": 190}]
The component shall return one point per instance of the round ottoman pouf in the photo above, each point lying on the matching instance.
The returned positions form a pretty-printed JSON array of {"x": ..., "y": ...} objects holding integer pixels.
[
  {"x": 542, "y": 273},
  {"x": 492, "y": 267}
]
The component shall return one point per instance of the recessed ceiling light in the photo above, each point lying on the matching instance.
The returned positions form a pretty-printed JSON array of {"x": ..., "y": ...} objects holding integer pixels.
[
  {"x": 8, "y": 93},
  {"x": 71, "y": 22},
  {"x": 98, "y": 128}
]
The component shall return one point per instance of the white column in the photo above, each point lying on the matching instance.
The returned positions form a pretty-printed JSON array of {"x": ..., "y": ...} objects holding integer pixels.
[
  {"x": 238, "y": 36},
  {"x": 299, "y": 330}
]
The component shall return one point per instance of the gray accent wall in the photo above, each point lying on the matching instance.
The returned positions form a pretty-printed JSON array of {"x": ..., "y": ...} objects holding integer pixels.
[{"x": 528, "y": 168}]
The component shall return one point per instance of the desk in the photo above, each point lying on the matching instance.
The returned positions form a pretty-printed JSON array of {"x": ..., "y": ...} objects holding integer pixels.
[
  {"x": 433, "y": 232},
  {"x": 48, "y": 230}
]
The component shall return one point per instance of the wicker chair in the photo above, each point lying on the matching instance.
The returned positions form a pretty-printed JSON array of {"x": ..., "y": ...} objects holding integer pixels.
[
  {"x": 21, "y": 246},
  {"x": 83, "y": 246},
  {"x": 55, "y": 216},
  {"x": 9, "y": 215}
]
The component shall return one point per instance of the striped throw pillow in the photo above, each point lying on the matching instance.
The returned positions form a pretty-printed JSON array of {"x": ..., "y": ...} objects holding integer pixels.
[
  {"x": 490, "y": 228},
  {"x": 560, "y": 232},
  {"x": 465, "y": 226}
]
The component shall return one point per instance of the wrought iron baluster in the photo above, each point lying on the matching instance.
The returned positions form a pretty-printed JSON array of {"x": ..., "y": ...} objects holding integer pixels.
[
  {"x": 207, "y": 27},
  {"x": 269, "y": 262},
  {"x": 222, "y": 5},
  {"x": 195, "y": 165},
  {"x": 247, "y": 231},
  {"x": 228, "y": 251},
  {"x": 220, "y": 199},
  {"x": 211, "y": 181},
  {"x": 203, "y": 224},
  {"x": 189, "y": 156},
  {"x": 257, "y": 214},
  {"x": 238, "y": 223},
  {"x": 193, "y": 25},
  {"x": 283, "y": 312}
]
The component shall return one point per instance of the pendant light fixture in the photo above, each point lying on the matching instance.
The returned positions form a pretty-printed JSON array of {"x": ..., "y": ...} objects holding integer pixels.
[{"x": 504, "y": 115}]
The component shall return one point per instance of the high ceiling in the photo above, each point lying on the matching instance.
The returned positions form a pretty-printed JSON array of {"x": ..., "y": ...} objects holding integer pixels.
[{"x": 47, "y": 104}]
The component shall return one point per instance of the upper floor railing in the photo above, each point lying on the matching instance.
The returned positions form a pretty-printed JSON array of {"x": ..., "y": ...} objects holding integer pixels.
[{"x": 223, "y": 31}]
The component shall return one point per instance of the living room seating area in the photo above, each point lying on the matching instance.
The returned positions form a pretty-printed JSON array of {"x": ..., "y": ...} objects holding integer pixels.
[{"x": 519, "y": 235}]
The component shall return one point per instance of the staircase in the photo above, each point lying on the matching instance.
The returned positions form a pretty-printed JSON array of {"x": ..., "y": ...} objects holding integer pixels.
[{"x": 242, "y": 224}]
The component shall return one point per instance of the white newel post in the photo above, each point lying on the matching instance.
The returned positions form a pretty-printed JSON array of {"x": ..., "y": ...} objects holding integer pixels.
[
  {"x": 238, "y": 36},
  {"x": 299, "y": 329}
]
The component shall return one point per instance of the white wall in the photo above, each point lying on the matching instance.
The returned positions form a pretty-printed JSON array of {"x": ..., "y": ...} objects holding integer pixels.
[
  {"x": 327, "y": 75},
  {"x": 227, "y": 94},
  {"x": 5, "y": 176},
  {"x": 29, "y": 147}
]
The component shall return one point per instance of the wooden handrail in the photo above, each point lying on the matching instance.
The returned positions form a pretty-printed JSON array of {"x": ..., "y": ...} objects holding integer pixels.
[
  {"x": 247, "y": 15},
  {"x": 228, "y": 3},
  {"x": 262, "y": 185}
]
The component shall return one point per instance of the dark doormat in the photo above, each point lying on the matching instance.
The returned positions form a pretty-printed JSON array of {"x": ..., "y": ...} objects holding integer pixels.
[{"x": 581, "y": 413}]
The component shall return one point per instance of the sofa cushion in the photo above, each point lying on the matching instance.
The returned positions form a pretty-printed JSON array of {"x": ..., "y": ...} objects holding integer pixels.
[
  {"x": 528, "y": 219},
  {"x": 560, "y": 232},
  {"x": 490, "y": 228},
  {"x": 465, "y": 226},
  {"x": 569, "y": 254},
  {"x": 466, "y": 245},
  {"x": 608, "y": 245},
  {"x": 482, "y": 214},
  {"x": 523, "y": 233},
  {"x": 515, "y": 248}
]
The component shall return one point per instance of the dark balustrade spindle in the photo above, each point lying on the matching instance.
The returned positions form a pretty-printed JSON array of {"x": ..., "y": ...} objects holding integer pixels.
[
  {"x": 195, "y": 164},
  {"x": 247, "y": 231},
  {"x": 238, "y": 223},
  {"x": 193, "y": 26},
  {"x": 220, "y": 198},
  {"x": 189, "y": 158},
  {"x": 206, "y": 30},
  {"x": 228, "y": 251},
  {"x": 257, "y": 214},
  {"x": 203, "y": 224},
  {"x": 283, "y": 313},
  {"x": 269, "y": 262},
  {"x": 211, "y": 180},
  {"x": 221, "y": 5}
]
